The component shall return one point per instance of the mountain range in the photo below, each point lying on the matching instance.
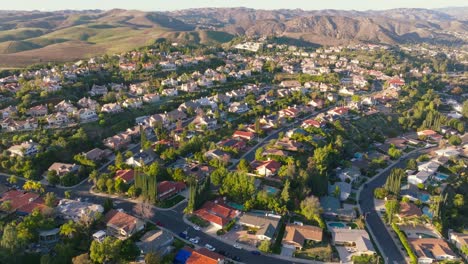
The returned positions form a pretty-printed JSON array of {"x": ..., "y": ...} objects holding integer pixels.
[{"x": 35, "y": 37}]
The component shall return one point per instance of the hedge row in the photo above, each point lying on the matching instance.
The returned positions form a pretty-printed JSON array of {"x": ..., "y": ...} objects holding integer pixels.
[{"x": 404, "y": 241}]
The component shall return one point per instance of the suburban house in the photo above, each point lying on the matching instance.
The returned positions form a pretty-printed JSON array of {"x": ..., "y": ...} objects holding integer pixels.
[
  {"x": 290, "y": 112},
  {"x": 287, "y": 143},
  {"x": 409, "y": 210},
  {"x": 26, "y": 148},
  {"x": 111, "y": 108},
  {"x": 65, "y": 107},
  {"x": 460, "y": 240},
  {"x": 332, "y": 209},
  {"x": 22, "y": 203},
  {"x": 118, "y": 141},
  {"x": 202, "y": 256},
  {"x": 128, "y": 176},
  {"x": 218, "y": 154},
  {"x": 232, "y": 143},
  {"x": 89, "y": 103},
  {"x": 238, "y": 108},
  {"x": 86, "y": 115},
  {"x": 38, "y": 110},
  {"x": 97, "y": 154},
  {"x": 76, "y": 210},
  {"x": 296, "y": 235},
  {"x": 141, "y": 158},
  {"x": 63, "y": 168},
  {"x": 167, "y": 189},
  {"x": 339, "y": 111},
  {"x": 217, "y": 213},
  {"x": 312, "y": 123},
  {"x": 352, "y": 173},
  {"x": 344, "y": 189},
  {"x": 11, "y": 125},
  {"x": 122, "y": 225},
  {"x": 243, "y": 135},
  {"x": 429, "y": 250},
  {"x": 57, "y": 119},
  {"x": 98, "y": 90},
  {"x": 265, "y": 168},
  {"x": 151, "y": 98},
  {"x": 357, "y": 238},
  {"x": 155, "y": 241},
  {"x": 267, "y": 225}
]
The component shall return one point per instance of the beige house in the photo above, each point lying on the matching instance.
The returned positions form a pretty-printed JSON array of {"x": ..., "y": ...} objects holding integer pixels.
[{"x": 122, "y": 225}]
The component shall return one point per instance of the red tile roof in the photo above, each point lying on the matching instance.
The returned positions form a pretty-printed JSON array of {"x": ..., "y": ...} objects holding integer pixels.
[
  {"x": 169, "y": 188},
  {"x": 121, "y": 220},
  {"x": 243, "y": 134},
  {"x": 23, "y": 201},
  {"x": 204, "y": 256},
  {"x": 271, "y": 165},
  {"x": 312, "y": 122},
  {"x": 216, "y": 212},
  {"x": 126, "y": 175}
]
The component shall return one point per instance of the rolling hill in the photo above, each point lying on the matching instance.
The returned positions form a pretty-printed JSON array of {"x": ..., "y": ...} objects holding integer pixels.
[{"x": 33, "y": 37}]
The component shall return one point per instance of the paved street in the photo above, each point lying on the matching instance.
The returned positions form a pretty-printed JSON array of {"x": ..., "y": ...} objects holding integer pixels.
[{"x": 374, "y": 222}]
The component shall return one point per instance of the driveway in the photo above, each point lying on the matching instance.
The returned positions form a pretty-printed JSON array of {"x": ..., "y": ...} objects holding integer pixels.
[{"x": 287, "y": 252}]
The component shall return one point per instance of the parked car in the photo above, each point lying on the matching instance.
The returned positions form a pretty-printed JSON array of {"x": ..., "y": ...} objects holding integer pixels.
[
  {"x": 197, "y": 228},
  {"x": 255, "y": 252},
  {"x": 237, "y": 246},
  {"x": 183, "y": 235},
  {"x": 210, "y": 247},
  {"x": 194, "y": 240}
]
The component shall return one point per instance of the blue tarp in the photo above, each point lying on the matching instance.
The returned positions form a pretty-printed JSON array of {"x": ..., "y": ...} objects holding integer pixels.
[{"x": 182, "y": 256}]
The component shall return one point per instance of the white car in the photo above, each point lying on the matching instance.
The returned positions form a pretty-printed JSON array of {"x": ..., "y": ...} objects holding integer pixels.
[
  {"x": 237, "y": 246},
  {"x": 210, "y": 247},
  {"x": 195, "y": 240},
  {"x": 197, "y": 228}
]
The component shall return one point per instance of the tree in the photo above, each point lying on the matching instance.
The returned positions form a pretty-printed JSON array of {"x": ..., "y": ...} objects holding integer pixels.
[
  {"x": 264, "y": 246},
  {"x": 50, "y": 199},
  {"x": 178, "y": 175},
  {"x": 129, "y": 250},
  {"x": 152, "y": 258},
  {"x": 10, "y": 241},
  {"x": 6, "y": 206},
  {"x": 108, "y": 204},
  {"x": 218, "y": 176},
  {"x": 259, "y": 154},
  {"x": 13, "y": 179},
  {"x": 391, "y": 207},
  {"x": 52, "y": 177},
  {"x": 459, "y": 200},
  {"x": 310, "y": 207},
  {"x": 243, "y": 166},
  {"x": 393, "y": 183},
  {"x": 110, "y": 186},
  {"x": 68, "y": 229},
  {"x": 82, "y": 259},
  {"x": 68, "y": 194},
  {"x": 454, "y": 140},
  {"x": 380, "y": 193},
  {"x": 465, "y": 109},
  {"x": 119, "y": 162},
  {"x": 411, "y": 164},
  {"x": 33, "y": 186},
  {"x": 106, "y": 251},
  {"x": 285, "y": 191},
  {"x": 145, "y": 144},
  {"x": 394, "y": 153}
]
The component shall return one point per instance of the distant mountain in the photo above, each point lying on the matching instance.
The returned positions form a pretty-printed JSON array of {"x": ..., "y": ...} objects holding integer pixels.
[
  {"x": 33, "y": 36},
  {"x": 394, "y": 26}
]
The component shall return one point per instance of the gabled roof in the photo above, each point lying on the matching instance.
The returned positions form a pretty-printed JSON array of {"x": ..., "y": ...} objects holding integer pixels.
[
  {"x": 296, "y": 234},
  {"x": 121, "y": 220},
  {"x": 126, "y": 175},
  {"x": 431, "y": 247},
  {"x": 216, "y": 212},
  {"x": 204, "y": 256}
]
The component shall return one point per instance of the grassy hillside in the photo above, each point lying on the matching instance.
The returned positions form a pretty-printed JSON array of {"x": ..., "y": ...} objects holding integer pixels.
[{"x": 41, "y": 37}]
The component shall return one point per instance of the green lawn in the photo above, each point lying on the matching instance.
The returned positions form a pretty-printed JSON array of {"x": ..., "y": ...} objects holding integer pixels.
[
  {"x": 198, "y": 221},
  {"x": 171, "y": 201}
]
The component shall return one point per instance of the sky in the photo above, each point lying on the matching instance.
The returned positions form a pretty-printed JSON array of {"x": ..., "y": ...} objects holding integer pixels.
[{"x": 166, "y": 5}]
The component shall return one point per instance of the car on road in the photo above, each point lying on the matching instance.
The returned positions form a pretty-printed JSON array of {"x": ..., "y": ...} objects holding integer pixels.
[
  {"x": 194, "y": 240},
  {"x": 183, "y": 234},
  {"x": 236, "y": 258},
  {"x": 158, "y": 223},
  {"x": 210, "y": 247},
  {"x": 237, "y": 246},
  {"x": 197, "y": 228},
  {"x": 255, "y": 252}
]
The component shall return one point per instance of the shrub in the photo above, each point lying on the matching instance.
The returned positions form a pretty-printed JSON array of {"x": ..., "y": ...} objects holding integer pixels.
[
  {"x": 220, "y": 232},
  {"x": 404, "y": 242},
  {"x": 380, "y": 193}
]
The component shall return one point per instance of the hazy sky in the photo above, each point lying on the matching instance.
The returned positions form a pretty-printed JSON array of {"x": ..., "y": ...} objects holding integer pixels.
[{"x": 161, "y": 5}]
